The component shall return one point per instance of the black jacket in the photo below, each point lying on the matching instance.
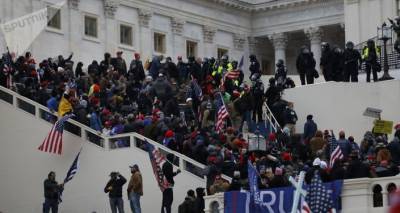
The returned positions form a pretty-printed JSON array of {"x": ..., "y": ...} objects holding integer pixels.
[
  {"x": 136, "y": 70},
  {"x": 305, "y": 64},
  {"x": 169, "y": 173},
  {"x": 116, "y": 185},
  {"x": 51, "y": 189},
  {"x": 187, "y": 206}
]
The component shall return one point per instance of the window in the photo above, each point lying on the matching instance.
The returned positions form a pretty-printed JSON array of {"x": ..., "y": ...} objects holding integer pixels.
[
  {"x": 91, "y": 26},
  {"x": 126, "y": 35},
  {"x": 159, "y": 42},
  {"x": 54, "y": 17},
  {"x": 222, "y": 52},
  {"x": 191, "y": 49}
]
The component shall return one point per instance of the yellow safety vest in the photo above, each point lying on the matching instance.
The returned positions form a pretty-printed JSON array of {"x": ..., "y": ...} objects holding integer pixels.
[
  {"x": 365, "y": 52},
  {"x": 220, "y": 68}
]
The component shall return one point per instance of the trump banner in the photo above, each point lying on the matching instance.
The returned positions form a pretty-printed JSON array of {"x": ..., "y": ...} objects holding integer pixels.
[{"x": 276, "y": 200}]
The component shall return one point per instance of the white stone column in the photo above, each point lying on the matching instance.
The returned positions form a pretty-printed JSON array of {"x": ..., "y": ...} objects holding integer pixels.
[
  {"x": 239, "y": 41},
  {"x": 111, "y": 28},
  {"x": 279, "y": 41},
  {"x": 179, "y": 44},
  {"x": 314, "y": 34},
  {"x": 146, "y": 37},
  {"x": 75, "y": 27},
  {"x": 208, "y": 39}
]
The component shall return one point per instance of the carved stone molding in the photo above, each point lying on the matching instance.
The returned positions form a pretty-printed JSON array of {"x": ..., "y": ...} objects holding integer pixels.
[
  {"x": 209, "y": 33},
  {"x": 144, "y": 17},
  {"x": 73, "y": 4},
  {"x": 279, "y": 40},
  {"x": 111, "y": 7},
  {"x": 314, "y": 34},
  {"x": 238, "y": 41},
  {"x": 177, "y": 25},
  {"x": 252, "y": 41}
]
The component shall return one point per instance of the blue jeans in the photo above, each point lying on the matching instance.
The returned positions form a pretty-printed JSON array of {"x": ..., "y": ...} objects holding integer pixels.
[
  {"x": 246, "y": 116},
  {"x": 117, "y": 203},
  {"x": 134, "y": 200},
  {"x": 50, "y": 204}
]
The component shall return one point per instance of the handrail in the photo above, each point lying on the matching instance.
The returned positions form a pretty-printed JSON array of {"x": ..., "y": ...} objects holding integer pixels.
[
  {"x": 271, "y": 118},
  {"x": 85, "y": 129}
]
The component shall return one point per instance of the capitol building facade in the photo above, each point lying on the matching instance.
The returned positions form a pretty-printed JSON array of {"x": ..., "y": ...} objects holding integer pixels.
[{"x": 270, "y": 29}]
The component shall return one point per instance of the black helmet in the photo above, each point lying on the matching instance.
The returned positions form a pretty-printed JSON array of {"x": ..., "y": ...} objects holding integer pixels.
[
  {"x": 252, "y": 57},
  {"x": 325, "y": 46},
  {"x": 350, "y": 45},
  {"x": 279, "y": 63}
]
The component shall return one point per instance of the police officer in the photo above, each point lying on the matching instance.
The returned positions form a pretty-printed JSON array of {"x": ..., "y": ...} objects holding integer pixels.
[
  {"x": 337, "y": 64},
  {"x": 326, "y": 61},
  {"x": 370, "y": 55},
  {"x": 305, "y": 65},
  {"x": 254, "y": 65},
  {"x": 352, "y": 61},
  {"x": 280, "y": 74},
  {"x": 223, "y": 67},
  {"x": 257, "y": 91}
]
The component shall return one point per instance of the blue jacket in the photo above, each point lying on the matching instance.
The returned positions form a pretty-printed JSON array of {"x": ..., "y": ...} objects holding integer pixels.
[
  {"x": 155, "y": 67},
  {"x": 310, "y": 128},
  {"x": 52, "y": 104},
  {"x": 345, "y": 147},
  {"x": 95, "y": 122}
]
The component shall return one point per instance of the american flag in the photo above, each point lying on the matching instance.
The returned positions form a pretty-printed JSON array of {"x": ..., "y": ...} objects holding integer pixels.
[
  {"x": 305, "y": 208},
  {"x": 318, "y": 197},
  {"x": 336, "y": 152},
  {"x": 157, "y": 159},
  {"x": 53, "y": 142},
  {"x": 222, "y": 113}
]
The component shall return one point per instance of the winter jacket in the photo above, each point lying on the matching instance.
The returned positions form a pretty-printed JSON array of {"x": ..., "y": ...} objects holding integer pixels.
[
  {"x": 310, "y": 128},
  {"x": 136, "y": 183},
  {"x": 116, "y": 184},
  {"x": 51, "y": 189},
  {"x": 95, "y": 122},
  {"x": 187, "y": 206},
  {"x": 394, "y": 148},
  {"x": 305, "y": 64}
]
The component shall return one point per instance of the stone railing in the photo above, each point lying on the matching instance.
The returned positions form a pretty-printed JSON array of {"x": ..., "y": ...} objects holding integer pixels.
[
  {"x": 107, "y": 143},
  {"x": 363, "y": 195}
]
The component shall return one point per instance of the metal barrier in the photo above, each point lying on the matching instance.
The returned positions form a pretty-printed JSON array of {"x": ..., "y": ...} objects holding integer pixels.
[{"x": 128, "y": 140}]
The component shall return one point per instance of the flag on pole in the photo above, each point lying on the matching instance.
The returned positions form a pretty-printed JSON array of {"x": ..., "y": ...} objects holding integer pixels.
[
  {"x": 73, "y": 169},
  {"x": 53, "y": 142},
  {"x": 222, "y": 113},
  {"x": 241, "y": 62},
  {"x": 336, "y": 152},
  {"x": 318, "y": 197},
  {"x": 71, "y": 173},
  {"x": 157, "y": 159}
]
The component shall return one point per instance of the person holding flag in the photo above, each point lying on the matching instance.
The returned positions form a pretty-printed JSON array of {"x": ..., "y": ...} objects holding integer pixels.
[
  {"x": 164, "y": 175},
  {"x": 169, "y": 175},
  {"x": 52, "y": 191}
]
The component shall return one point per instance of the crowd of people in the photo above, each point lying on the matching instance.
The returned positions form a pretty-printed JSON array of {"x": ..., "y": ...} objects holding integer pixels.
[{"x": 201, "y": 107}]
